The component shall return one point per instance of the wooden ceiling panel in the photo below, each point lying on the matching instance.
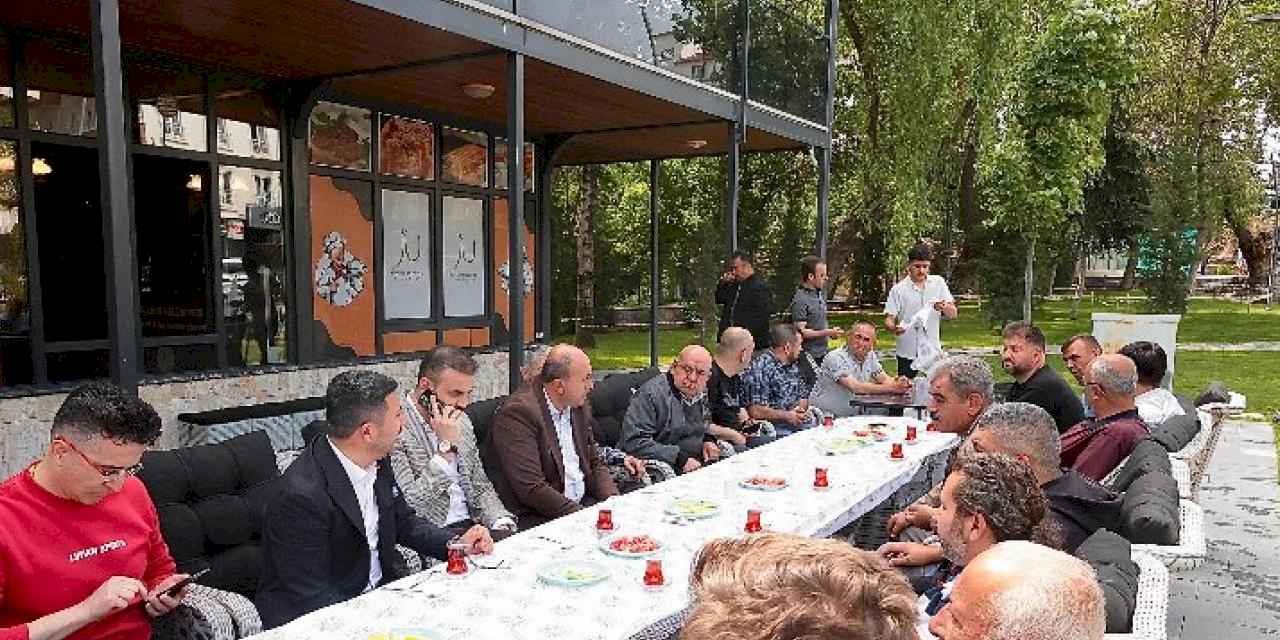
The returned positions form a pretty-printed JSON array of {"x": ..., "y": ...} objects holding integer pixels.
[{"x": 276, "y": 39}]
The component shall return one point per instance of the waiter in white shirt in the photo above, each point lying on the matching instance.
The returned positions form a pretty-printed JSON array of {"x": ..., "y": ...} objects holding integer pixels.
[{"x": 917, "y": 291}]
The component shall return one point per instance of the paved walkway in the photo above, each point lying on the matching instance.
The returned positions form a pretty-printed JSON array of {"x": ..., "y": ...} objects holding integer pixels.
[{"x": 1235, "y": 594}]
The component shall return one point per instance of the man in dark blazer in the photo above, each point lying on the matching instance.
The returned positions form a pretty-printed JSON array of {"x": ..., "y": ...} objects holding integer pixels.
[
  {"x": 537, "y": 430},
  {"x": 330, "y": 534}
]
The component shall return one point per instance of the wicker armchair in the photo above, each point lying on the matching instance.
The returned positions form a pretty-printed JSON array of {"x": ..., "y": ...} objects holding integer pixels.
[
  {"x": 1150, "y": 616},
  {"x": 1189, "y": 553},
  {"x": 1199, "y": 452}
]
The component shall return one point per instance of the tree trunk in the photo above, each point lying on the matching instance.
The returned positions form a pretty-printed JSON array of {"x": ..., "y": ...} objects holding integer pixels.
[
  {"x": 1255, "y": 245},
  {"x": 584, "y": 228},
  {"x": 1130, "y": 267},
  {"x": 1028, "y": 286}
]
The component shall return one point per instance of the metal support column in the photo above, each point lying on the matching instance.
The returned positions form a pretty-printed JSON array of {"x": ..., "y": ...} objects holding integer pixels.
[
  {"x": 515, "y": 209},
  {"x": 113, "y": 171},
  {"x": 731, "y": 193},
  {"x": 655, "y": 281},
  {"x": 823, "y": 156},
  {"x": 738, "y": 128}
]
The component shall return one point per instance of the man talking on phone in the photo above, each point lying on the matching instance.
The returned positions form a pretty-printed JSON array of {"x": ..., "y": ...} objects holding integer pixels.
[
  {"x": 436, "y": 460},
  {"x": 330, "y": 534},
  {"x": 80, "y": 543}
]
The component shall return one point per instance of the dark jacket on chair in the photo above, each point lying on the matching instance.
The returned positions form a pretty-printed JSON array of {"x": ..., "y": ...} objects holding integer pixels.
[
  {"x": 314, "y": 541},
  {"x": 525, "y": 440}
]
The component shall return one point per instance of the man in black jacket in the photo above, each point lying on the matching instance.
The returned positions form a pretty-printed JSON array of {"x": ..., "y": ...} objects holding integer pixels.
[
  {"x": 745, "y": 299},
  {"x": 330, "y": 534},
  {"x": 1079, "y": 505}
]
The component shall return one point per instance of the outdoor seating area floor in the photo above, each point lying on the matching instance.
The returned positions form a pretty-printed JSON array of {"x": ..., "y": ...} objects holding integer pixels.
[{"x": 1235, "y": 594}]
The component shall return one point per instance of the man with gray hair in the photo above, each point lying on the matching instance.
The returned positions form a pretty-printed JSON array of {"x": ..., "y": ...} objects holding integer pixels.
[
  {"x": 1026, "y": 432},
  {"x": 1095, "y": 447},
  {"x": 1020, "y": 590},
  {"x": 961, "y": 389}
]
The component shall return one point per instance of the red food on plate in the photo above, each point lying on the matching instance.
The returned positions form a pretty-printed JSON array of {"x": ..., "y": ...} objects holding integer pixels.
[
  {"x": 766, "y": 481},
  {"x": 634, "y": 544}
]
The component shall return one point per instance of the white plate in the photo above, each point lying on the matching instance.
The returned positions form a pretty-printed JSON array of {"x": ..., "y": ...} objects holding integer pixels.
[
  {"x": 606, "y": 545},
  {"x": 693, "y": 508},
  {"x": 841, "y": 445},
  {"x": 746, "y": 483},
  {"x": 572, "y": 573}
]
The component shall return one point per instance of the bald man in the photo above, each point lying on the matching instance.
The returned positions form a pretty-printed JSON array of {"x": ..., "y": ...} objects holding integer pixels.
[
  {"x": 1095, "y": 447},
  {"x": 1020, "y": 590},
  {"x": 726, "y": 397},
  {"x": 542, "y": 435},
  {"x": 668, "y": 416}
]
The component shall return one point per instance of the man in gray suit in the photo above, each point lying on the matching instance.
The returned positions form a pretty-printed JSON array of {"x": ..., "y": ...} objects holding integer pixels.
[{"x": 436, "y": 460}]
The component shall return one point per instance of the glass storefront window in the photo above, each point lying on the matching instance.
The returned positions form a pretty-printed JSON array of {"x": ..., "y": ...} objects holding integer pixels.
[
  {"x": 340, "y": 136},
  {"x": 60, "y": 90},
  {"x": 408, "y": 148},
  {"x": 464, "y": 257},
  {"x": 465, "y": 157},
  {"x": 15, "y": 314},
  {"x": 171, "y": 225},
  {"x": 248, "y": 125},
  {"x": 68, "y": 216},
  {"x": 254, "y": 299},
  {"x": 500, "y": 165},
  {"x": 6, "y": 89}
]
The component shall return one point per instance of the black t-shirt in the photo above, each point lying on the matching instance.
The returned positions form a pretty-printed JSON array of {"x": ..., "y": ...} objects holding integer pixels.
[
  {"x": 724, "y": 395},
  {"x": 1047, "y": 390}
]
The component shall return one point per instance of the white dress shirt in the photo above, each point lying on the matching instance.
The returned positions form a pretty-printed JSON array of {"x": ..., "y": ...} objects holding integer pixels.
[
  {"x": 574, "y": 482},
  {"x": 906, "y": 300},
  {"x": 457, "y": 499},
  {"x": 362, "y": 479}
]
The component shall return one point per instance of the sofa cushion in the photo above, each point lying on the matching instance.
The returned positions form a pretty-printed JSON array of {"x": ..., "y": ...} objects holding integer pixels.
[
  {"x": 1111, "y": 558},
  {"x": 1148, "y": 456},
  {"x": 613, "y": 394},
  {"x": 225, "y": 519},
  {"x": 607, "y": 430},
  {"x": 313, "y": 430},
  {"x": 1175, "y": 433},
  {"x": 1150, "y": 510},
  {"x": 181, "y": 530},
  {"x": 210, "y": 500},
  {"x": 481, "y": 415}
]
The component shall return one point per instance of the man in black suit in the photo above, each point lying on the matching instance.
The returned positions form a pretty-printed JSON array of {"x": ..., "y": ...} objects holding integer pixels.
[{"x": 331, "y": 532}]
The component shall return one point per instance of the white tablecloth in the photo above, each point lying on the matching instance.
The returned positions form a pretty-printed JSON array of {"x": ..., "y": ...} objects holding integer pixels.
[{"x": 510, "y": 602}]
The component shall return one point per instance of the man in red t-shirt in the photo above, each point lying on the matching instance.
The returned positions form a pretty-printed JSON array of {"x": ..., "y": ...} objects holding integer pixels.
[{"x": 80, "y": 542}]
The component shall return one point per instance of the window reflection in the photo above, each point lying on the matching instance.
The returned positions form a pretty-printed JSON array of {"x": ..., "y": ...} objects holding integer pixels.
[
  {"x": 248, "y": 125},
  {"x": 164, "y": 124},
  {"x": 6, "y": 89},
  {"x": 61, "y": 113},
  {"x": 253, "y": 276}
]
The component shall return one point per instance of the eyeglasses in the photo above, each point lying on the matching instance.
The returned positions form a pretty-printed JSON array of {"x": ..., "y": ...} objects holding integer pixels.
[
  {"x": 693, "y": 372},
  {"x": 106, "y": 471}
]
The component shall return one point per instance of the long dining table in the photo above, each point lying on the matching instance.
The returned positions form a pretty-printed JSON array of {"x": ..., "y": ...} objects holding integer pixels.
[{"x": 502, "y": 596}]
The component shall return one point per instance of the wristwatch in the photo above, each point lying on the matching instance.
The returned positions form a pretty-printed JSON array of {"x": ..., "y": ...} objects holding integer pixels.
[{"x": 444, "y": 446}]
